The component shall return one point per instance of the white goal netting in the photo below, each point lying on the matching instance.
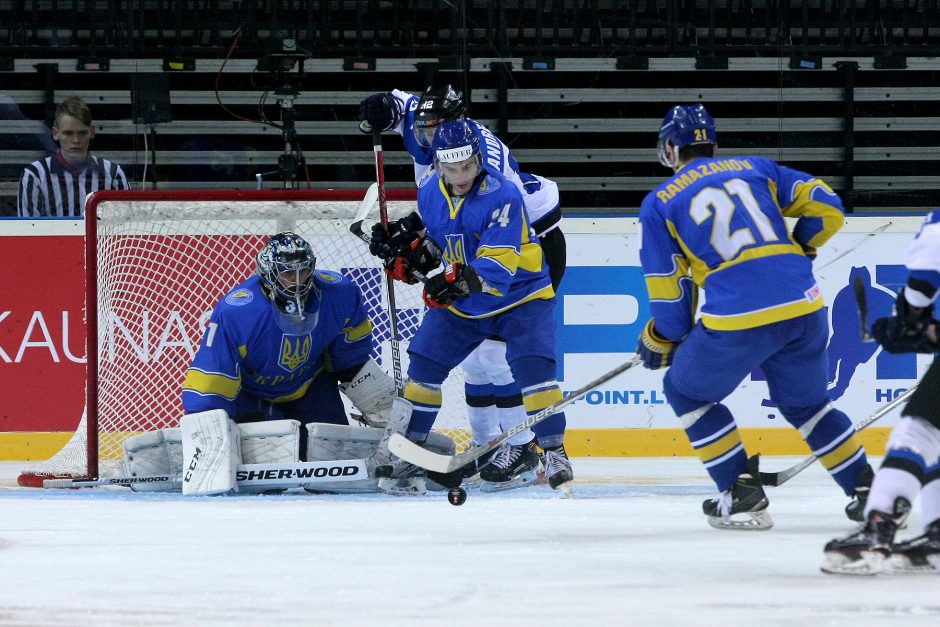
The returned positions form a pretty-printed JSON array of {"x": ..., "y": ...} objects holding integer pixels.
[{"x": 162, "y": 260}]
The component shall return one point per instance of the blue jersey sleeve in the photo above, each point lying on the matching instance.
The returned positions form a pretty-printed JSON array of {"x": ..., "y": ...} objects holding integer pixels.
[
  {"x": 352, "y": 346},
  {"x": 666, "y": 268},
  {"x": 213, "y": 381},
  {"x": 818, "y": 209}
]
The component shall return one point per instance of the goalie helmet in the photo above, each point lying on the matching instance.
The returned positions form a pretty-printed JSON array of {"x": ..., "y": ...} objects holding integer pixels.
[
  {"x": 285, "y": 265},
  {"x": 685, "y": 125},
  {"x": 437, "y": 106}
]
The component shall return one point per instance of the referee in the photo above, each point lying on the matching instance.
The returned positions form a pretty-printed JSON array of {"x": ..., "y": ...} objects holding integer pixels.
[{"x": 58, "y": 185}]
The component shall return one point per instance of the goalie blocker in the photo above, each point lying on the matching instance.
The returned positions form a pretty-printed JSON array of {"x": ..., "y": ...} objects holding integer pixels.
[{"x": 210, "y": 454}]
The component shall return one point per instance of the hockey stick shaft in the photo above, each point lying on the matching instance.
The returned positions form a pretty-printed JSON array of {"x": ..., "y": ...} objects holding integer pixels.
[
  {"x": 247, "y": 475},
  {"x": 774, "y": 479},
  {"x": 389, "y": 284},
  {"x": 420, "y": 456},
  {"x": 861, "y": 301}
]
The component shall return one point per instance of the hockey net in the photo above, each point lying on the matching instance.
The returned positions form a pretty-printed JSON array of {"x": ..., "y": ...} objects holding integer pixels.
[{"x": 156, "y": 265}]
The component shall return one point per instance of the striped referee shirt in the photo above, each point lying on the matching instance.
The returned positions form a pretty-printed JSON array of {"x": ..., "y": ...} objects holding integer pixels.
[{"x": 49, "y": 188}]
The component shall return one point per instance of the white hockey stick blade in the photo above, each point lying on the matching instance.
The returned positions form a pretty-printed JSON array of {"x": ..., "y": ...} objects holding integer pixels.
[
  {"x": 366, "y": 205},
  {"x": 774, "y": 479},
  {"x": 435, "y": 462},
  {"x": 265, "y": 475}
]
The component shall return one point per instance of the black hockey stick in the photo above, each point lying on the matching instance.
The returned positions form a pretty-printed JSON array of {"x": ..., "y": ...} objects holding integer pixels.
[
  {"x": 436, "y": 462},
  {"x": 389, "y": 285},
  {"x": 861, "y": 300},
  {"x": 774, "y": 479}
]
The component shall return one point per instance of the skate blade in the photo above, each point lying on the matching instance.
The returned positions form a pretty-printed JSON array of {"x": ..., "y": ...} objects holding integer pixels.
[
  {"x": 869, "y": 564},
  {"x": 567, "y": 489},
  {"x": 900, "y": 565},
  {"x": 744, "y": 521},
  {"x": 411, "y": 486},
  {"x": 519, "y": 481}
]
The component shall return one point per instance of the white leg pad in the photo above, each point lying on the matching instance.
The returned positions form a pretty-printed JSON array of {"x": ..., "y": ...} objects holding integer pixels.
[
  {"x": 270, "y": 441},
  {"x": 211, "y": 453},
  {"x": 152, "y": 453},
  {"x": 327, "y": 442}
]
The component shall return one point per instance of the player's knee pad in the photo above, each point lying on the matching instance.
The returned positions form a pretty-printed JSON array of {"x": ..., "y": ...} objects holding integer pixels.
[
  {"x": 420, "y": 368},
  {"x": 917, "y": 436},
  {"x": 679, "y": 402},
  {"x": 533, "y": 370},
  {"x": 487, "y": 364},
  {"x": 154, "y": 453}
]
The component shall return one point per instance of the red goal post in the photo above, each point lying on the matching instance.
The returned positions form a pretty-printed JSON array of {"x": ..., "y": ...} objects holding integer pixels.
[{"x": 156, "y": 264}]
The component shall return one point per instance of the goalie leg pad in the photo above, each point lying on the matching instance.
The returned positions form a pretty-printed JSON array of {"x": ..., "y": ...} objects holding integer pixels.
[
  {"x": 211, "y": 453},
  {"x": 152, "y": 453},
  {"x": 327, "y": 442},
  {"x": 270, "y": 441}
]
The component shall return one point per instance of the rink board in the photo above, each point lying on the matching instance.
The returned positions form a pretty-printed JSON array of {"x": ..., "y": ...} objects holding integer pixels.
[{"x": 601, "y": 309}]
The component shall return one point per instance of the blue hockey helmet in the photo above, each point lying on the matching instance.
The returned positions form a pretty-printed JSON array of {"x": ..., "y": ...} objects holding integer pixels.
[
  {"x": 685, "y": 125},
  {"x": 285, "y": 265},
  {"x": 455, "y": 143}
]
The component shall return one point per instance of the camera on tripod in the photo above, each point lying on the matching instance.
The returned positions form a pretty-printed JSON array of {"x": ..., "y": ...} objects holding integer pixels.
[{"x": 283, "y": 68}]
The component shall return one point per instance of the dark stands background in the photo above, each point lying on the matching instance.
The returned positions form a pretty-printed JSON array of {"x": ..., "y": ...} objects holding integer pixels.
[{"x": 844, "y": 89}]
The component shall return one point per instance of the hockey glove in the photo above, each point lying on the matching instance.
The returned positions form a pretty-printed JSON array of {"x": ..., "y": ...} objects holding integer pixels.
[
  {"x": 398, "y": 239},
  {"x": 378, "y": 111},
  {"x": 456, "y": 281},
  {"x": 906, "y": 331},
  {"x": 655, "y": 350}
]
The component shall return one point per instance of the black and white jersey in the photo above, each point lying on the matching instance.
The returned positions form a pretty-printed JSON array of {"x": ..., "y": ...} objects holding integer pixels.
[{"x": 49, "y": 188}]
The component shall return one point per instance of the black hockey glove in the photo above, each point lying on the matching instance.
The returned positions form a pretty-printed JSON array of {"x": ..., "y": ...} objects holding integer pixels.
[
  {"x": 655, "y": 350},
  {"x": 456, "y": 281},
  {"x": 398, "y": 238},
  {"x": 906, "y": 331},
  {"x": 378, "y": 111}
]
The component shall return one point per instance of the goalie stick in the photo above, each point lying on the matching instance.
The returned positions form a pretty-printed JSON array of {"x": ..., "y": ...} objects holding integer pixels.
[
  {"x": 436, "y": 462},
  {"x": 774, "y": 479},
  {"x": 247, "y": 475}
]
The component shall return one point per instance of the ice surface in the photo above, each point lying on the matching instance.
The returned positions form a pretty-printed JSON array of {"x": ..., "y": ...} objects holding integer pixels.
[{"x": 632, "y": 549}]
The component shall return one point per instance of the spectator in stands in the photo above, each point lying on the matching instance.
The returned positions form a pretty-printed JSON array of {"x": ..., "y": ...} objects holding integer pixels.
[{"x": 57, "y": 185}]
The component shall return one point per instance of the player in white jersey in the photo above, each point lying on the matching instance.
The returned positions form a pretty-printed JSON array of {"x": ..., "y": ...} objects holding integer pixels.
[
  {"x": 494, "y": 400},
  {"x": 912, "y": 461}
]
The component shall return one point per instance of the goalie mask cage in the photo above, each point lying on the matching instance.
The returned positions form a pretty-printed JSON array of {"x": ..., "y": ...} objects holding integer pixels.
[{"x": 157, "y": 262}]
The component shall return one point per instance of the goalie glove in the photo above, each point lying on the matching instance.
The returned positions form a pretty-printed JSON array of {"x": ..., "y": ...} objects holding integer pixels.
[
  {"x": 378, "y": 111},
  {"x": 456, "y": 281},
  {"x": 655, "y": 350},
  {"x": 906, "y": 331}
]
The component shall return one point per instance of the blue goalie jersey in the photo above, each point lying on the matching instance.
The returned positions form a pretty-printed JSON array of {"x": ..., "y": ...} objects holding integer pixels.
[
  {"x": 718, "y": 224},
  {"x": 245, "y": 351},
  {"x": 489, "y": 230}
]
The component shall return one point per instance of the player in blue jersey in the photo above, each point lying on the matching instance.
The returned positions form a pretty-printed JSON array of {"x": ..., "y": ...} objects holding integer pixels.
[
  {"x": 717, "y": 225},
  {"x": 911, "y": 466},
  {"x": 495, "y": 284},
  {"x": 283, "y": 343},
  {"x": 493, "y": 398}
]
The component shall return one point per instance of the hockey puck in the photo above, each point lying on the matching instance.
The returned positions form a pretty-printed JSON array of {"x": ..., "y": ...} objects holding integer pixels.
[{"x": 457, "y": 496}]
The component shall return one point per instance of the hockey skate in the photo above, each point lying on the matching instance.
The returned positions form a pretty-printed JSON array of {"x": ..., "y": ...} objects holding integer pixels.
[
  {"x": 917, "y": 555},
  {"x": 513, "y": 466},
  {"x": 747, "y": 498},
  {"x": 855, "y": 510},
  {"x": 558, "y": 469},
  {"x": 865, "y": 551}
]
